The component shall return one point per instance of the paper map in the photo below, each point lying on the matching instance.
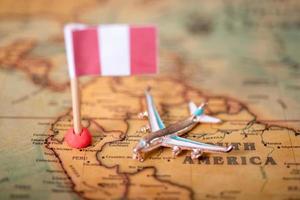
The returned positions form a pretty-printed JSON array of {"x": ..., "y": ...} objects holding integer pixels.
[{"x": 242, "y": 57}]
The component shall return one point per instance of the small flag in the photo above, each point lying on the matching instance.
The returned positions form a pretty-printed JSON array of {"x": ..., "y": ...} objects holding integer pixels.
[{"x": 110, "y": 50}]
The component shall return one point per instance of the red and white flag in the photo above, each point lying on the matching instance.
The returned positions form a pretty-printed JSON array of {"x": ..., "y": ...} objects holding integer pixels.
[{"x": 110, "y": 50}]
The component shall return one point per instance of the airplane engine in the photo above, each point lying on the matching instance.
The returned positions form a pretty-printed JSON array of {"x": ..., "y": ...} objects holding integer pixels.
[
  {"x": 143, "y": 115},
  {"x": 176, "y": 150},
  {"x": 196, "y": 153}
]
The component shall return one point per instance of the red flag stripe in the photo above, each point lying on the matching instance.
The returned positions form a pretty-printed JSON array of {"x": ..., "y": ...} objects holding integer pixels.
[
  {"x": 86, "y": 52},
  {"x": 143, "y": 50}
]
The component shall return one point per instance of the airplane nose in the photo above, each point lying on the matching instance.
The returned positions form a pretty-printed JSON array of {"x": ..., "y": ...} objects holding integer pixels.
[{"x": 135, "y": 150}]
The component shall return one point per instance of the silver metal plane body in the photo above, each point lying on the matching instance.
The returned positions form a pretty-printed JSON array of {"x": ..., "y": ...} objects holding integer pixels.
[{"x": 161, "y": 136}]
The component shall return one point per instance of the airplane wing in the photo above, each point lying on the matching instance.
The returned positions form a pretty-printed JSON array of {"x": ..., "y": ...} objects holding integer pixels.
[
  {"x": 154, "y": 119},
  {"x": 183, "y": 143}
]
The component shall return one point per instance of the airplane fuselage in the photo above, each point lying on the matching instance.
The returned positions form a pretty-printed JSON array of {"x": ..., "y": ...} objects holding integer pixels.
[
  {"x": 153, "y": 140},
  {"x": 180, "y": 128}
]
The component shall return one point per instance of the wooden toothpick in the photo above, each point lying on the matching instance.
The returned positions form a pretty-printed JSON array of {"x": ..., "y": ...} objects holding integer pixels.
[{"x": 76, "y": 105}]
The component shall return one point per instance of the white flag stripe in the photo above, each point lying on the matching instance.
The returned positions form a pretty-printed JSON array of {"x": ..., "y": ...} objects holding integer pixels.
[
  {"x": 114, "y": 50},
  {"x": 68, "y": 33},
  {"x": 69, "y": 50}
]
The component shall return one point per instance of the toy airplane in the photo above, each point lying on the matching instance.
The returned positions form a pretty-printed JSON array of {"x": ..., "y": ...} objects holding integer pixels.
[{"x": 162, "y": 136}]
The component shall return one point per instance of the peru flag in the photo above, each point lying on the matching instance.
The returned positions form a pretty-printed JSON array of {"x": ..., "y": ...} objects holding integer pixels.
[{"x": 110, "y": 50}]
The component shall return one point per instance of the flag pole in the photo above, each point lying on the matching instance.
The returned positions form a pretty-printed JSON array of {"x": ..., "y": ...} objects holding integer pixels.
[
  {"x": 77, "y": 136},
  {"x": 76, "y": 105}
]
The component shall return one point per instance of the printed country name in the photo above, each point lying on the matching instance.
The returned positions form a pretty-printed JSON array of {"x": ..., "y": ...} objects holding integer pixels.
[
  {"x": 250, "y": 146},
  {"x": 231, "y": 160},
  {"x": 246, "y": 146}
]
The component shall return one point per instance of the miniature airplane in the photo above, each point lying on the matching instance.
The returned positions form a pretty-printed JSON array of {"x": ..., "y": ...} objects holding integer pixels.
[{"x": 162, "y": 136}]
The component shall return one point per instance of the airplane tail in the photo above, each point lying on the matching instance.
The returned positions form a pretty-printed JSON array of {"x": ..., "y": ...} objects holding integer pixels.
[{"x": 198, "y": 112}]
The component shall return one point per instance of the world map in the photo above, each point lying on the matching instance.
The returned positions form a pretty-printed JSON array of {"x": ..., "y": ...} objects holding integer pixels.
[{"x": 241, "y": 57}]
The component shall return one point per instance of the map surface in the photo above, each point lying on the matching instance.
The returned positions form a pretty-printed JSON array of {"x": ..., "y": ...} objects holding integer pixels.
[{"x": 242, "y": 57}]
